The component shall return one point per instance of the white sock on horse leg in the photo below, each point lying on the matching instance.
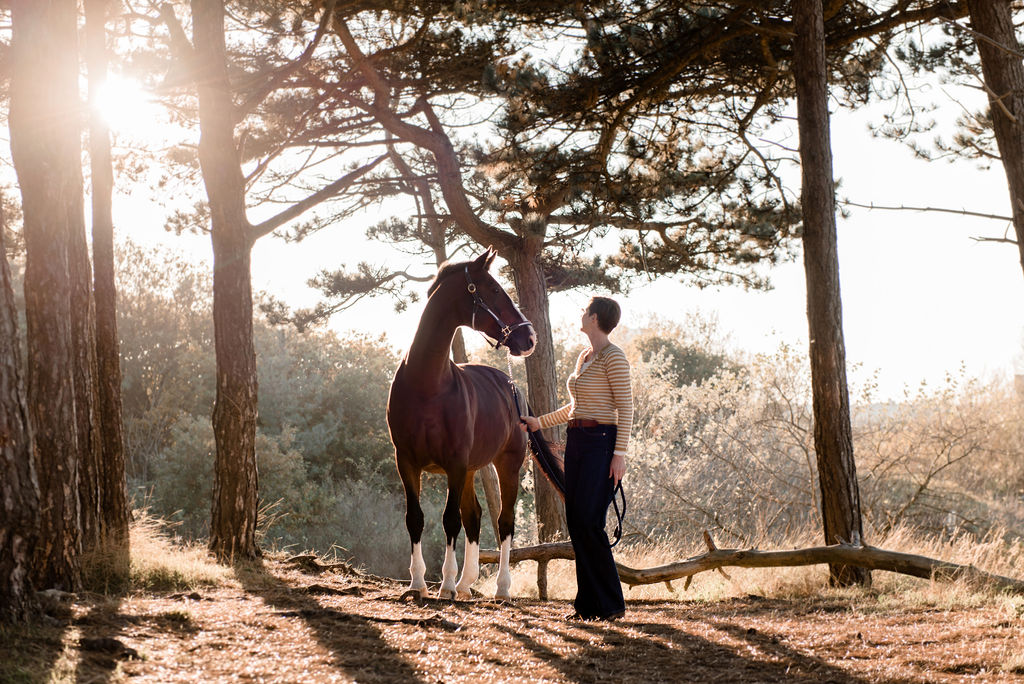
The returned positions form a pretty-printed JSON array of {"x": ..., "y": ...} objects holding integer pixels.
[
  {"x": 418, "y": 570},
  {"x": 504, "y": 573},
  {"x": 449, "y": 572},
  {"x": 470, "y": 569}
]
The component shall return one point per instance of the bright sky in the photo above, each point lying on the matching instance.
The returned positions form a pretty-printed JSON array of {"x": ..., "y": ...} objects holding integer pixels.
[{"x": 920, "y": 297}]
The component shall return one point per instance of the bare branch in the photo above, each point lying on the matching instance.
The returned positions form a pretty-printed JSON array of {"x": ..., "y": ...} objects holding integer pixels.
[
  {"x": 1008, "y": 241},
  {"x": 317, "y": 197},
  {"x": 962, "y": 212}
]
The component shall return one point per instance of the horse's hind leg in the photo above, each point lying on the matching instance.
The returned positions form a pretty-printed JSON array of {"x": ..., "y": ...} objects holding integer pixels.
[
  {"x": 508, "y": 478},
  {"x": 414, "y": 524},
  {"x": 471, "y": 511},
  {"x": 452, "y": 524}
]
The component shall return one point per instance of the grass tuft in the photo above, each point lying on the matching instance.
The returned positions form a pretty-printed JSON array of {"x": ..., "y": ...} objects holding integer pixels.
[{"x": 161, "y": 563}]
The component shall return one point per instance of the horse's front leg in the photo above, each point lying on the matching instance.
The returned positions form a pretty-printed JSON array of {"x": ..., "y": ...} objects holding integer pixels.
[
  {"x": 414, "y": 524},
  {"x": 452, "y": 524},
  {"x": 471, "y": 511}
]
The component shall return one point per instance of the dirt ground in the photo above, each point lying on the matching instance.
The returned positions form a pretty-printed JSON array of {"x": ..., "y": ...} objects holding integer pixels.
[{"x": 283, "y": 623}]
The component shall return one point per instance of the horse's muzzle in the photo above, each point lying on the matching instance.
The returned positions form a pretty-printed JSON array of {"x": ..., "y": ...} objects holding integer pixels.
[{"x": 522, "y": 342}]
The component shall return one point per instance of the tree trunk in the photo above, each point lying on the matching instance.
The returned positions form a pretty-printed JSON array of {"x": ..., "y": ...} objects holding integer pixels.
[
  {"x": 83, "y": 338},
  {"x": 542, "y": 377},
  {"x": 833, "y": 440},
  {"x": 1004, "y": 79},
  {"x": 235, "y": 491},
  {"x": 19, "y": 488},
  {"x": 46, "y": 148},
  {"x": 114, "y": 513}
]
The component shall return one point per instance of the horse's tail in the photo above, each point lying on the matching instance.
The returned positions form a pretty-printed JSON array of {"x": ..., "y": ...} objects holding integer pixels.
[{"x": 550, "y": 464}]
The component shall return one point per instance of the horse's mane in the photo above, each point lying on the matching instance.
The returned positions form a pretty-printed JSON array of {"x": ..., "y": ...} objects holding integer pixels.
[{"x": 446, "y": 269}]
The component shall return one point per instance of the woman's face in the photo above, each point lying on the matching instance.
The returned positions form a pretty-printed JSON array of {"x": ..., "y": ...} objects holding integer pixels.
[{"x": 588, "y": 321}]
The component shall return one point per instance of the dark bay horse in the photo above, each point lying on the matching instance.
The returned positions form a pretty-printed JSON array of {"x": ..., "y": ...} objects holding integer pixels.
[{"x": 455, "y": 419}]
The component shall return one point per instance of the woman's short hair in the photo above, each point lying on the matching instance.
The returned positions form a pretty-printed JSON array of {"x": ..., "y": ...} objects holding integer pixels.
[{"x": 607, "y": 311}]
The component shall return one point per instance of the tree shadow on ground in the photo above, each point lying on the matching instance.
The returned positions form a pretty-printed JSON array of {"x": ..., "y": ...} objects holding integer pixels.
[
  {"x": 100, "y": 644},
  {"x": 106, "y": 570},
  {"x": 354, "y": 641},
  {"x": 40, "y": 650},
  {"x": 31, "y": 651},
  {"x": 611, "y": 652}
]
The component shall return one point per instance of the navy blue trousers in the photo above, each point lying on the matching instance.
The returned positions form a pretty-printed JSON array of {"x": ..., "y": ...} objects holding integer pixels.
[{"x": 588, "y": 491}]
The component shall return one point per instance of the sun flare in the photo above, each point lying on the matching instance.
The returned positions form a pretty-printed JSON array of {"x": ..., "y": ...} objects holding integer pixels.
[{"x": 130, "y": 110}]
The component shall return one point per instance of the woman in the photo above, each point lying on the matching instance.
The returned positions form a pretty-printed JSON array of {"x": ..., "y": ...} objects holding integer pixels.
[{"x": 600, "y": 415}]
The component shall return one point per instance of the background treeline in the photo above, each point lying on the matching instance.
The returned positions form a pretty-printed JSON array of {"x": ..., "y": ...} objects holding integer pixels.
[
  {"x": 325, "y": 460},
  {"x": 723, "y": 441}
]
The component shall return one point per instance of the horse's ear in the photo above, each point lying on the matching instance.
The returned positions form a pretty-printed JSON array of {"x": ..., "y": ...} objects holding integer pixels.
[{"x": 485, "y": 259}]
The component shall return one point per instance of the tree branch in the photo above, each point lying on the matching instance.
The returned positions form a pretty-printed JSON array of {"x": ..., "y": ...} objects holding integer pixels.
[
  {"x": 317, "y": 197},
  {"x": 421, "y": 191},
  {"x": 943, "y": 11},
  {"x": 183, "y": 69},
  {"x": 715, "y": 559},
  {"x": 1008, "y": 241},
  {"x": 434, "y": 140},
  {"x": 962, "y": 212},
  {"x": 981, "y": 36},
  {"x": 278, "y": 74}
]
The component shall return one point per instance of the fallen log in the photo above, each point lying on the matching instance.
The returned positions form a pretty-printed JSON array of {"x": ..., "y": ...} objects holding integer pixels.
[{"x": 716, "y": 559}]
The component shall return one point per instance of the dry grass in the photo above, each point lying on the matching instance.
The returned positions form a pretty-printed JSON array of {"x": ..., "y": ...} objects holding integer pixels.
[{"x": 157, "y": 562}]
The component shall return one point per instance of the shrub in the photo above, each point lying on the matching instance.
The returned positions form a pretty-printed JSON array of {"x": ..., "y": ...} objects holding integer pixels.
[{"x": 735, "y": 455}]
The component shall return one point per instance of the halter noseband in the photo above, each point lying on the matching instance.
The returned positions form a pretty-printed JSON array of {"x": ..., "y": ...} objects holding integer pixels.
[{"x": 479, "y": 303}]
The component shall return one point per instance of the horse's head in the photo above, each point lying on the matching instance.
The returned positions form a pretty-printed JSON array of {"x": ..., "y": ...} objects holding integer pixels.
[{"x": 490, "y": 309}]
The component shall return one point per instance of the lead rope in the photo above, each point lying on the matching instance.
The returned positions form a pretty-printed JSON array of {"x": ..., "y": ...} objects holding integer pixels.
[
  {"x": 541, "y": 452},
  {"x": 620, "y": 514}
]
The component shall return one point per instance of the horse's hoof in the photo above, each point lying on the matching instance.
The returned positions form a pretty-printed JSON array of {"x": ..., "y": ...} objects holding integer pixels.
[
  {"x": 463, "y": 595},
  {"x": 446, "y": 594},
  {"x": 416, "y": 595},
  {"x": 503, "y": 597}
]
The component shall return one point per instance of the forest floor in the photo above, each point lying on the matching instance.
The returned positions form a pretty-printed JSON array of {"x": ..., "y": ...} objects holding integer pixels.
[{"x": 280, "y": 621}]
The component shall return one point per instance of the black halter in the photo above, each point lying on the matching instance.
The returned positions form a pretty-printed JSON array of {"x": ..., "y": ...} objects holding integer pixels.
[{"x": 479, "y": 303}]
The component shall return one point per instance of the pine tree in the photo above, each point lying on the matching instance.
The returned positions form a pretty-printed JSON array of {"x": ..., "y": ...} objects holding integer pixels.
[
  {"x": 833, "y": 434},
  {"x": 46, "y": 148},
  {"x": 239, "y": 94},
  {"x": 19, "y": 485}
]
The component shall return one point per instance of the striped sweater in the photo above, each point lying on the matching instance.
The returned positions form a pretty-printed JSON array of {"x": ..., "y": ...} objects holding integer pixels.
[{"x": 600, "y": 390}]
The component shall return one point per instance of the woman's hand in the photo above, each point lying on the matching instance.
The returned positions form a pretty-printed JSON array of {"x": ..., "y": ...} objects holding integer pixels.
[
  {"x": 618, "y": 468},
  {"x": 529, "y": 422}
]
